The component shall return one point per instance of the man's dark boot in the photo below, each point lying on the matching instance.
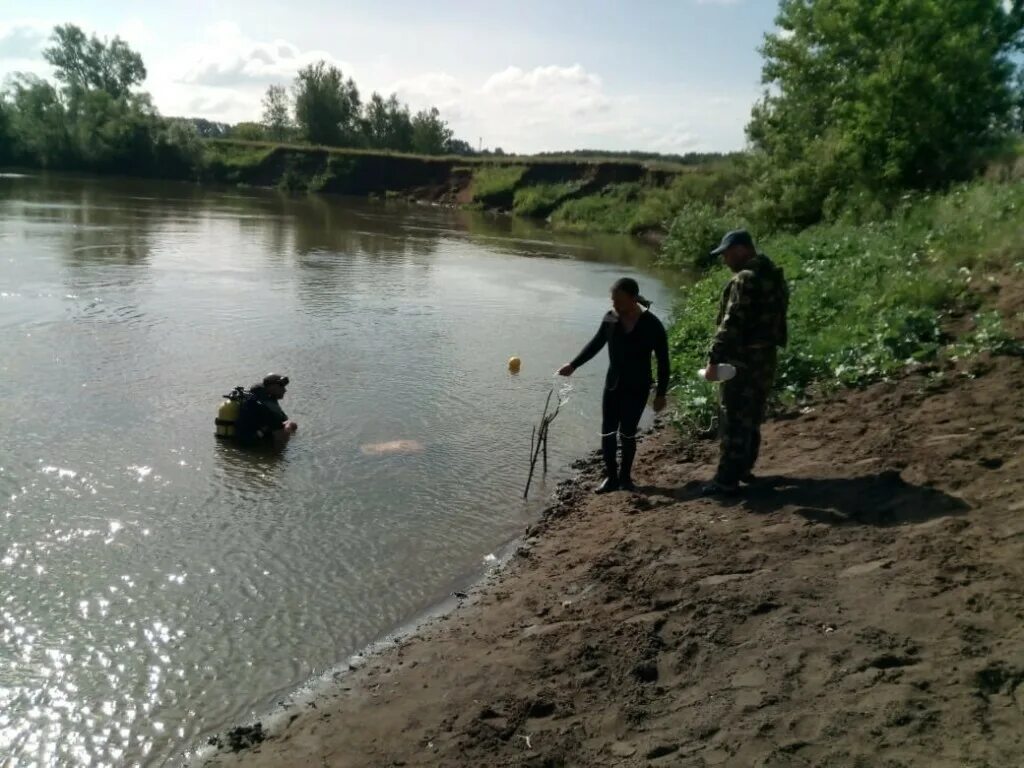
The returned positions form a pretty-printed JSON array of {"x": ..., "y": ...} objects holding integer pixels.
[
  {"x": 609, "y": 444},
  {"x": 626, "y": 470}
]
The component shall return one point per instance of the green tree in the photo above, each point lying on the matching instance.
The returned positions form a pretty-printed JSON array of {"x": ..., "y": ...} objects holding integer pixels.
[
  {"x": 459, "y": 147},
  {"x": 430, "y": 134},
  {"x": 326, "y": 105},
  {"x": 38, "y": 121},
  {"x": 387, "y": 124},
  {"x": 7, "y": 147},
  {"x": 277, "y": 118},
  {"x": 111, "y": 134},
  {"x": 84, "y": 64},
  {"x": 866, "y": 99},
  {"x": 248, "y": 131}
]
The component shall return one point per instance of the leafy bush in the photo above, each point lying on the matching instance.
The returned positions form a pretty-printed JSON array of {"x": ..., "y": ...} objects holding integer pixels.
[{"x": 694, "y": 233}]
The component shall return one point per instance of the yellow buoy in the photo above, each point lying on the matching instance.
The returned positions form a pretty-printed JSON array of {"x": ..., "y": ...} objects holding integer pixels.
[{"x": 514, "y": 364}]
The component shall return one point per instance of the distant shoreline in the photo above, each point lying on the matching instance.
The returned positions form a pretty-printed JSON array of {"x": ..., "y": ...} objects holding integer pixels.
[{"x": 573, "y": 194}]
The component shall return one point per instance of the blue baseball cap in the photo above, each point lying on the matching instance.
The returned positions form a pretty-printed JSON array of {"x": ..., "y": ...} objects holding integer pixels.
[{"x": 736, "y": 237}]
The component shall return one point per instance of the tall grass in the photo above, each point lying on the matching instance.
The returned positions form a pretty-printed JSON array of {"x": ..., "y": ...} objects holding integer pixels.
[
  {"x": 538, "y": 200},
  {"x": 611, "y": 210}
]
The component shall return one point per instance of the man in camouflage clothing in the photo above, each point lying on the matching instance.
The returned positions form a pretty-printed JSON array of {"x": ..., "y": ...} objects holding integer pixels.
[{"x": 751, "y": 327}]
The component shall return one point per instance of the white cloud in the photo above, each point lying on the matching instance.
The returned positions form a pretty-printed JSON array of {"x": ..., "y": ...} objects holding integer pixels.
[
  {"x": 22, "y": 41},
  {"x": 553, "y": 89},
  {"x": 216, "y": 106},
  {"x": 229, "y": 105},
  {"x": 136, "y": 33},
  {"x": 227, "y": 58},
  {"x": 434, "y": 89},
  {"x": 564, "y": 107},
  {"x": 21, "y": 49}
]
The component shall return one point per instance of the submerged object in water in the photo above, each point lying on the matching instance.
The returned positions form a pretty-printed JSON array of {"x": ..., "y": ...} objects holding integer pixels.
[
  {"x": 391, "y": 446},
  {"x": 514, "y": 364},
  {"x": 227, "y": 413}
]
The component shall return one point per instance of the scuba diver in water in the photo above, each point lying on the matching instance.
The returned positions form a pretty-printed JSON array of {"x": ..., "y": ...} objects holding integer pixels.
[
  {"x": 632, "y": 334},
  {"x": 255, "y": 417}
]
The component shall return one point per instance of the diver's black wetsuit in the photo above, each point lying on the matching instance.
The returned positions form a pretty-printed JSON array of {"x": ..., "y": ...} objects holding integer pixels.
[
  {"x": 628, "y": 383},
  {"x": 259, "y": 417}
]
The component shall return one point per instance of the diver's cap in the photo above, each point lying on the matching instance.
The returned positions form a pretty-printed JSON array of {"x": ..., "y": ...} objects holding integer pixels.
[{"x": 275, "y": 378}]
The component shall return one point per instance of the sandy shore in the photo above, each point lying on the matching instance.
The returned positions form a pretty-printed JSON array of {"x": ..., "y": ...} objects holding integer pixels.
[{"x": 864, "y": 606}]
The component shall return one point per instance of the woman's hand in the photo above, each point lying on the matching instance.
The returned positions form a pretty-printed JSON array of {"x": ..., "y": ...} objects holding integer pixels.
[{"x": 566, "y": 370}]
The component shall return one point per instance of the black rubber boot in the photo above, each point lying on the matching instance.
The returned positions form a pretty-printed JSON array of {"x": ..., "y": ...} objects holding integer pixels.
[
  {"x": 626, "y": 469},
  {"x": 609, "y": 446}
]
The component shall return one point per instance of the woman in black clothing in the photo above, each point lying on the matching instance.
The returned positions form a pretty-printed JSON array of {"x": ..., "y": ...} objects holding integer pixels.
[{"x": 632, "y": 334}]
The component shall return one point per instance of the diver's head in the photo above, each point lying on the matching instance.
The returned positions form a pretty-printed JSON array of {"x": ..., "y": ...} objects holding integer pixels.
[{"x": 275, "y": 385}]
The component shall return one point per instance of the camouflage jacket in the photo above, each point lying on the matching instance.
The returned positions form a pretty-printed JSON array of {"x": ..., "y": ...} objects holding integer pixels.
[{"x": 752, "y": 312}]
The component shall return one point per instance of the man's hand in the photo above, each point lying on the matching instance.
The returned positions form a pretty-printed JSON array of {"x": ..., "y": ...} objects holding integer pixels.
[
  {"x": 290, "y": 426},
  {"x": 711, "y": 372},
  {"x": 659, "y": 403},
  {"x": 566, "y": 370}
]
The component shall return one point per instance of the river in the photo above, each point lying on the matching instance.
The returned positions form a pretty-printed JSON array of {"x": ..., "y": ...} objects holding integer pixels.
[{"x": 157, "y": 585}]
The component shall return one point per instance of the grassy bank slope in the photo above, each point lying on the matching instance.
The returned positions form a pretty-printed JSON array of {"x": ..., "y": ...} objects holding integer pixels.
[{"x": 602, "y": 194}]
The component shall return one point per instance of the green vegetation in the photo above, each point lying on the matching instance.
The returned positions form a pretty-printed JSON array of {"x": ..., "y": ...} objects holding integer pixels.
[
  {"x": 94, "y": 120},
  {"x": 652, "y": 204},
  {"x": 326, "y": 109},
  {"x": 495, "y": 184},
  {"x": 869, "y": 299},
  {"x": 875, "y": 118},
  {"x": 539, "y": 200},
  {"x": 654, "y": 159},
  {"x": 868, "y": 100},
  {"x": 613, "y": 209}
]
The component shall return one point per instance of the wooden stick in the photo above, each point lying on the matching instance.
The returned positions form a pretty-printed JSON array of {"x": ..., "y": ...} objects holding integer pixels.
[{"x": 539, "y": 439}]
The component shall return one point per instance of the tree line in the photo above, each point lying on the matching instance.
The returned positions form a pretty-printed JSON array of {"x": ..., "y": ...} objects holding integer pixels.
[
  {"x": 325, "y": 108},
  {"x": 92, "y": 118}
]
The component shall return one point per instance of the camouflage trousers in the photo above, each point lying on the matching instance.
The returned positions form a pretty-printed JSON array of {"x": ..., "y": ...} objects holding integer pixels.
[{"x": 742, "y": 402}]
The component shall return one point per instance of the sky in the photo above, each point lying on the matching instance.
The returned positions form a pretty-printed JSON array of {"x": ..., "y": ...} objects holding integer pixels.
[{"x": 669, "y": 76}]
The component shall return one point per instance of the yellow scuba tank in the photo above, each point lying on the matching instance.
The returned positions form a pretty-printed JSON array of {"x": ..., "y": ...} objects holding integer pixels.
[{"x": 227, "y": 413}]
